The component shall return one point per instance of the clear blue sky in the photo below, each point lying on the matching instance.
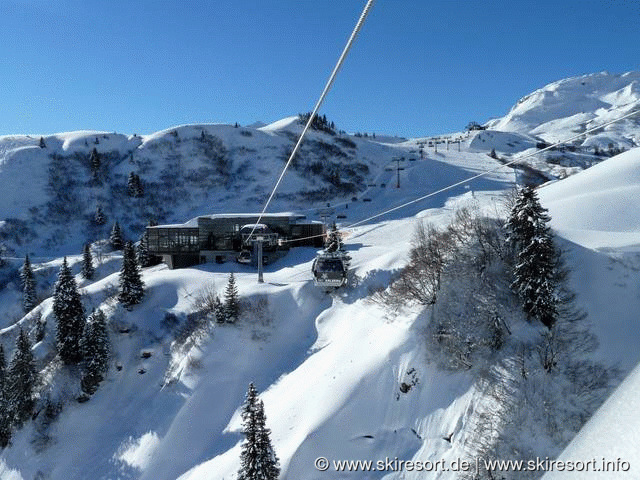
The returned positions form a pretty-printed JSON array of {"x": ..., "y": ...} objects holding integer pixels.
[{"x": 419, "y": 67}]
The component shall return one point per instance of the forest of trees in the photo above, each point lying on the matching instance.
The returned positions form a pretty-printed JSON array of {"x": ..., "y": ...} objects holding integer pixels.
[{"x": 319, "y": 123}]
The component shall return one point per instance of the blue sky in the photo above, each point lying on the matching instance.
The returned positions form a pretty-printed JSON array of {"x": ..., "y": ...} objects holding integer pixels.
[{"x": 419, "y": 67}]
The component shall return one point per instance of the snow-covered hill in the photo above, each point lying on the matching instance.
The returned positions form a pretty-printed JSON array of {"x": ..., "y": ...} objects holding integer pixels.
[
  {"x": 51, "y": 191},
  {"x": 603, "y": 194},
  {"x": 342, "y": 376},
  {"x": 607, "y": 446}
]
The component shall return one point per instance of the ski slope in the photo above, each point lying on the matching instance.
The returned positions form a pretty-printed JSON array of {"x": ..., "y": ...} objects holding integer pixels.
[{"x": 329, "y": 367}]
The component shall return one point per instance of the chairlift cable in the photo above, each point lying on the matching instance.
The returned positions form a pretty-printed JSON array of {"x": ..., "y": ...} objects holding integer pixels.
[
  {"x": 479, "y": 175},
  {"x": 327, "y": 87},
  {"x": 494, "y": 170}
]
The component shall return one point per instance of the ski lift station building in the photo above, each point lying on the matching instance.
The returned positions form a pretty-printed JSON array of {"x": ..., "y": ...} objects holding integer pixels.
[{"x": 220, "y": 237}]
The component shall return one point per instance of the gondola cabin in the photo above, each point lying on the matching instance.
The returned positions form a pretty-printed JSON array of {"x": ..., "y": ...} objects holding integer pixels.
[{"x": 329, "y": 270}]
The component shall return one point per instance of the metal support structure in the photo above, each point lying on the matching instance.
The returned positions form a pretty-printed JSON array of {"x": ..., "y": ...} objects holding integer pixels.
[
  {"x": 257, "y": 244},
  {"x": 398, "y": 168}
]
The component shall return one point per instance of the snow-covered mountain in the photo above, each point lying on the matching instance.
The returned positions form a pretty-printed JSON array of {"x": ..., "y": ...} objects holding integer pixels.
[
  {"x": 573, "y": 105},
  {"x": 342, "y": 376},
  {"x": 51, "y": 190}
]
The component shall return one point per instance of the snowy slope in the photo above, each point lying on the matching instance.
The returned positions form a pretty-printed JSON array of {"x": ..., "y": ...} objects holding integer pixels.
[
  {"x": 608, "y": 443},
  {"x": 179, "y": 417},
  {"x": 595, "y": 208}
]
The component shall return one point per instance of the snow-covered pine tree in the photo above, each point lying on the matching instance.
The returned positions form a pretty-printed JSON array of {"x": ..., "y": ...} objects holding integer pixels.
[
  {"x": 29, "y": 299},
  {"x": 21, "y": 381},
  {"x": 99, "y": 218},
  {"x": 96, "y": 349},
  {"x": 335, "y": 244},
  {"x": 258, "y": 460},
  {"x": 5, "y": 411},
  {"x": 134, "y": 186},
  {"x": 139, "y": 187},
  {"x": 536, "y": 268},
  {"x": 131, "y": 285},
  {"x": 334, "y": 241},
  {"x": 231, "y": 300},
  {"x": 131, "y": 189},
  {"x": 69, "y": 313},
  {"x": 520, "y": 224},
  {"x": 268, "y": 457},
  {"x": 87, "y": 263},
  {"x": 142, "y": 251},
  {"x": 94, "y": 161},
  {"x": 219, "y": 310},
  {"x": 115, "y": 238}
]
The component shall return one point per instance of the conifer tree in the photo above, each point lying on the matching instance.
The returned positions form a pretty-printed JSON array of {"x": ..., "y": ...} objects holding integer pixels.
[
  {"x": 142, "y": 251},
  {"x": 41, "y": 143},
  {"x": 87, "y": 263},
  {"x": 131, "y": 285},
  {"x": 5, "y": 410},
  {"x": 219, "y": 310},
  {"x": 134, "y": 186},
  {"x": 69, "y": 313},
  {"x": 520, "y": 224},
  {"x": 21, "y": 381},
  {"x": 94, "y": 161},
  {"x": 258, "y": 460},
  {"x": 231, "y": 300},
  {"x": 131, "y": 180},
  {"x": 335, "y": 244},
  {"x": 334, "y": 240},
  {"x": 96, "y": 349},
  {"x": 536, "y": 269},
  {"x": 115, "y": 238},
  {"x": 99, "y": 218},
  {"x": 29, "y": 299}
]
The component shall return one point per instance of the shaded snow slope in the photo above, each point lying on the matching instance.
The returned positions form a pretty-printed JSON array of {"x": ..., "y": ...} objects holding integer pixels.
[
  {"x": 503, "y": 142},
  {"x": 610, "y": 438}
]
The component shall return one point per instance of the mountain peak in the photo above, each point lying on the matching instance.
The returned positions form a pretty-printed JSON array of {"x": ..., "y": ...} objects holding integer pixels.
[{"x": 571, "y": 105}]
